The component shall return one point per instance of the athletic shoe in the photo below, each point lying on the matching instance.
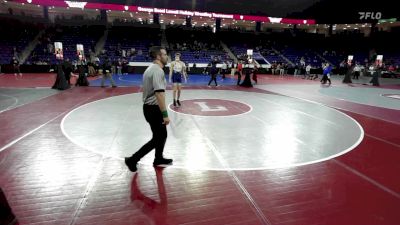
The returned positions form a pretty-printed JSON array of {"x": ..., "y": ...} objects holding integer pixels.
[
  {"x": 162, "y": 161},
  {"x": 132, "y": 165}
]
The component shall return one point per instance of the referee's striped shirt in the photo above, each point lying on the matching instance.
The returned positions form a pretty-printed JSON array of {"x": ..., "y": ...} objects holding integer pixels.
[{"x": 153, "y": 81}]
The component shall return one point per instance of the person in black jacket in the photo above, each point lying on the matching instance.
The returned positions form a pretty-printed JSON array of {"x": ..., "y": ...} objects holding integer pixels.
[
  {"x": 213, "y": 72},
  {"x": 83, "y": 71},
  {"x": 107, "y": 73},
  {"x": 67, "y": 69},
  {"x": 347, "y": 76},
  {"x": 376, "y": 74},
  {"x": 15, "y": 64},
  {"x": 60, "y": 83}
]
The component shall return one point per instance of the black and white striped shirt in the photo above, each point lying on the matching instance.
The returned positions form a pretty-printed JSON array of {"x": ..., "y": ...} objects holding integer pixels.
[{"x": 153, "y": 81}]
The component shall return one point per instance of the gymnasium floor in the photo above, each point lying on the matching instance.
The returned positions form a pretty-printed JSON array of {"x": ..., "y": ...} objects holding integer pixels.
[{"x": 288, "y": 151}]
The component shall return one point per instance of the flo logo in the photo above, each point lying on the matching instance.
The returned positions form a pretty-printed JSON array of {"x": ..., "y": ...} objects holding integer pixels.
[{"x": 370, "y": 15}]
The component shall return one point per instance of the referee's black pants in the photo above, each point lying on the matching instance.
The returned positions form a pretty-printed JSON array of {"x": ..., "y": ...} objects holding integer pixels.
[{"x": 153, "y": 116}]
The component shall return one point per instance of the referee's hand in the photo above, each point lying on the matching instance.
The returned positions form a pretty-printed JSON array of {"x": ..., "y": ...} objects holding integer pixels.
[{"x": 166, "y": 121}]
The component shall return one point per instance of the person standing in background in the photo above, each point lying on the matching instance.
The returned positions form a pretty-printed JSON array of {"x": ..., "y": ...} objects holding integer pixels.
[{"x": 177, "y": 70}]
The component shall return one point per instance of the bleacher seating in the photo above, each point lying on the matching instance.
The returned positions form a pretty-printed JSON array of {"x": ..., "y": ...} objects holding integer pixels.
[
  {"x": 195, "y": 45},
  {"x": 125, "y": 39},
  {"x": 14, "y": 39}
]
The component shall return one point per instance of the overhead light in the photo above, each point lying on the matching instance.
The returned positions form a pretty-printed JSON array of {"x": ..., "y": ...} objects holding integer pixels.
[
  {"x": 29, "y": 1},
  {"x": 126, "y": 7}
]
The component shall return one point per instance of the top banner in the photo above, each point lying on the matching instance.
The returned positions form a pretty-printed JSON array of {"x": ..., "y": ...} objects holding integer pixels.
[{"x": 90, "y": 5}]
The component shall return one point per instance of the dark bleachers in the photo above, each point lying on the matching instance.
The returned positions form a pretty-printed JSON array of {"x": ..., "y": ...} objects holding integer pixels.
[
  {"x": 128, "y": 38},
  {"x": 196, "y": 45},
  {"x": 15, "y": 37},
  {"x": 70, "y": 36}
]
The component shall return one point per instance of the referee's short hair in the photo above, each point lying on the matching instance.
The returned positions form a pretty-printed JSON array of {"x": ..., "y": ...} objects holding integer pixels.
[{"x": 154, "y": 51}]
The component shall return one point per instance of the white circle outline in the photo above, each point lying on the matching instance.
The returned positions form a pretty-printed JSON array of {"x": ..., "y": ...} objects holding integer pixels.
[
  {"x": 356, "y": 102},
  {"x": 361, "y": 137}
]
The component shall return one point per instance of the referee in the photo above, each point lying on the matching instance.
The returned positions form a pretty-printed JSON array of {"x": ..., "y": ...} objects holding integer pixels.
[{"x": 154, "y": 110}]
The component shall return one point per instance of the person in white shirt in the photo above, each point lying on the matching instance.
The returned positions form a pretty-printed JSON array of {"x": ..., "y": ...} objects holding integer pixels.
[
  {"x": 308, "y": 70},
  {"x": 224, "y": 69},
  {"x": 356, "y": 71},
  {"x": 177, "y": 70}
]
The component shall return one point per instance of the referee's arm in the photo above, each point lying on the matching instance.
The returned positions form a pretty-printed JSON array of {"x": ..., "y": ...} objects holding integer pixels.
[
  {"x": 159, "y": 91},
  {"x": 160, "y": 95}
]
